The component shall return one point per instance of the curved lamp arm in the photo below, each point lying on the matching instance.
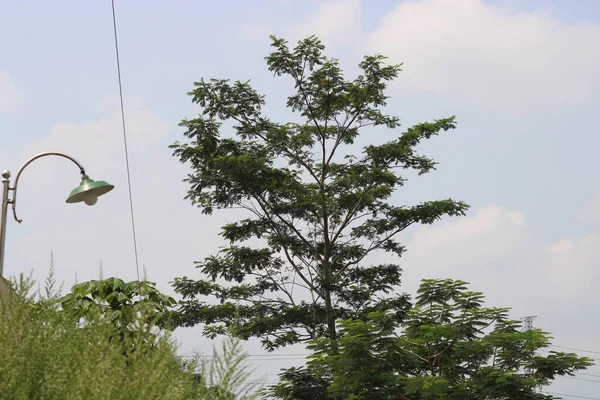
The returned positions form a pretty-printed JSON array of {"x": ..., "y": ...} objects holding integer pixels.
[{"x": 32, "y": 159}]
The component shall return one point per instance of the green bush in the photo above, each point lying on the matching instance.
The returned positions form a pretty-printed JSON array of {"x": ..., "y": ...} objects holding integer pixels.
[
  {"x": 73, "y": 347},
  {"x": 50, "y": 354}
]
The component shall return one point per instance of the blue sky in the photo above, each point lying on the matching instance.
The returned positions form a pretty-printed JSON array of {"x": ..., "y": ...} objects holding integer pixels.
[{"x": 521, "y": 76}]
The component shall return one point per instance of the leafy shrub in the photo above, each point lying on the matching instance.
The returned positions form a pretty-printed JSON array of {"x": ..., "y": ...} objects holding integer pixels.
[{"x": 50, "y": 354}]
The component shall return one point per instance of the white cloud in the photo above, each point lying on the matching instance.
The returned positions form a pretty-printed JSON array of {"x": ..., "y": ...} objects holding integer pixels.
[
  {"x": 491, "y": 230},
  {"x": 11, "y": 97},
  {"x": 334, "y": 20},
  {"x": 98, "y": 145},
  {"x": 572, "y": 264},
  {"x": 143, "y": 129},
  {"x": 490, "y": 56},
  {"x": 109, "y": 102},
  {"x": 496, "y": 251},
  {"x": 485, "y": 248}
]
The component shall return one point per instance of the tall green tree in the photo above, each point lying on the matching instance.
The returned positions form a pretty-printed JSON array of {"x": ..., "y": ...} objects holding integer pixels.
[
  {"x": 449, "y": 347},
  {"x": 317, "y": 207}
]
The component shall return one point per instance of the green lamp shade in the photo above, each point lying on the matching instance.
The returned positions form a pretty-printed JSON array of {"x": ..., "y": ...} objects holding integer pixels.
[{"x": 89, "y": 191}]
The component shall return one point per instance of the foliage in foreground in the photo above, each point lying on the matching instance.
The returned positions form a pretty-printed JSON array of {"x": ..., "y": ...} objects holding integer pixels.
[
  {"x": 226, "y": 376},
  {"x": 129, "y": 307},
  {"x": 49, "y": 354},
  {"x": 120, "y": 303},
  {"x": 317, "y": 205},
  {"x": 107, "y": 342},
  {"x": 449, "y": 347}
]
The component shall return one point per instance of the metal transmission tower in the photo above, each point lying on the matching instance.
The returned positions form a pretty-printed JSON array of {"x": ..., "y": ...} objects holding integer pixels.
[
  {"x": 528, "y": 322},
  {"x": 528, "y": 326}
]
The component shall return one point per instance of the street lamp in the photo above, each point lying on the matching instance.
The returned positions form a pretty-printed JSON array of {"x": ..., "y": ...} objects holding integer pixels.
[{"x": 88, "y": 191}]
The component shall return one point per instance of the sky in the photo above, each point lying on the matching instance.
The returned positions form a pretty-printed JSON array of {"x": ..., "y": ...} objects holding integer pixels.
[{"x": 521, "y": 76}]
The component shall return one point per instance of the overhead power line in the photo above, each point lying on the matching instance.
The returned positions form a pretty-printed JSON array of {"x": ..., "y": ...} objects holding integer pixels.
[
  {"x": 586, "y": 374},
  {"x": 308, "y": 354},
  {"x": 581, "y": 379},
  {"x": 135, "y": 247},
  {"x": 571, "y": 395},
  {"x": 573, "y": 349}
]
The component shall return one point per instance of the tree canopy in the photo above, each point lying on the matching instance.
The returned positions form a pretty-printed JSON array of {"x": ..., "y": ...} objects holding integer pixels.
[
  {"x": 317, "y": 205},
  {"x": 449, "y": 347}
]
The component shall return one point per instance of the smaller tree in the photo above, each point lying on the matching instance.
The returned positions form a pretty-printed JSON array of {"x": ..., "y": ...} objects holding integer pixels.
[
  {"x": 119, "y": 302},
  {"x": 449, "y": 347},
  {"x": 130, "y": 307}
]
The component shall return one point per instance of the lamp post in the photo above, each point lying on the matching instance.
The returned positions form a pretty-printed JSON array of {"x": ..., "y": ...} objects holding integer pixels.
[{"x": 88, "y": 191}]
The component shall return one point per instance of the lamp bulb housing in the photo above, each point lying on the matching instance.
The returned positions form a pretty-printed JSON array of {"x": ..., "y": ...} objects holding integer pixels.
[{"x": 90, "y": 199}]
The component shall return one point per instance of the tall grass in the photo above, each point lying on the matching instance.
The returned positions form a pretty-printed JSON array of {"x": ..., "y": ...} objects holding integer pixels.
[
  {"x": 46, "y": 353},
  {"x": 226, "y": 375}
]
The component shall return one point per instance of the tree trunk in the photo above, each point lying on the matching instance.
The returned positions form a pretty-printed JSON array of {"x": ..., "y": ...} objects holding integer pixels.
[{"x": 330, "y": 317}]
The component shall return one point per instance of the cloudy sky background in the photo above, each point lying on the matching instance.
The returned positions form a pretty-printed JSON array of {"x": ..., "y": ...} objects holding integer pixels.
[{"x": 521, "y": 76}]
